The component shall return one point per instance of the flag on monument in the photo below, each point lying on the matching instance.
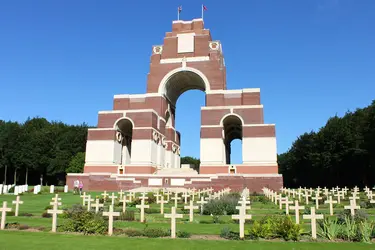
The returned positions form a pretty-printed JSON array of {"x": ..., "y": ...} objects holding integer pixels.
[
  {"x": 204, "y": 8},
  {"x": 179, "y": 9}
]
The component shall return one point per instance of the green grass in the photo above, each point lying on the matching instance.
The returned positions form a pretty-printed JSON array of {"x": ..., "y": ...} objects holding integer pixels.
[{"x": 17, "y": 240}]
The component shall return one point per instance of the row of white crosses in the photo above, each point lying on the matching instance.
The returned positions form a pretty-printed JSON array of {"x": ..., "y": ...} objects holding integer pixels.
[
  {"x": 313, "y": 217},
  {"x": 5, "y": 209}
]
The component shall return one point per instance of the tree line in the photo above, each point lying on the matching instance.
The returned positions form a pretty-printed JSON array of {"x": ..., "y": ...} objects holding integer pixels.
[
  {"x": 342, "y": 153},
  {"x": 38, "y": 150}
]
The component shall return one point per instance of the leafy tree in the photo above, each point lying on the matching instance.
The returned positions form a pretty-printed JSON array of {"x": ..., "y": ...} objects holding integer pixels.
[
  {"x": 342, "y": 153},
  {"x": 191, "y": 160},
  {"x": 77, "y": 163}
]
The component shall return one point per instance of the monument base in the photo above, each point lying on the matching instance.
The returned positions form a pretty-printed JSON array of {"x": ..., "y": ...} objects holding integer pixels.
[{"x": 117, "y": 182}]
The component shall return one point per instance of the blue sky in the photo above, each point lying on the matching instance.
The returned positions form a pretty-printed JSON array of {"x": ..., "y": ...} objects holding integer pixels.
[{"x": 64, "y": 59}]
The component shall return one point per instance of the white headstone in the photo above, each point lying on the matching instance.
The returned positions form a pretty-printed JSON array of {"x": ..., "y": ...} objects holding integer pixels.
[
  {"x": 51, "y": 189},
  {"x": 65, "y": 188}
]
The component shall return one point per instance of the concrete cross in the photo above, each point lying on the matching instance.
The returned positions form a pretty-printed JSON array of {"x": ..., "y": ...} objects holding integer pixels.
[
  {"x": 56, "y": 198},
  {"x": 277, "y": 198},
  {"x": 124, "y": 200},
  {"x": 313, "y": 217},
  {"x": 162, "y": 202},
  {"x": 317, "y": 198},
  {"x": 192, "y": 193},
  {"x": 157, "y": 195},
  {"x": 281, "y": 201},
  {"x": 168, "y": 193},
  {"x": 89, "y": 200},
  {"x": 4, "y": 211},
  {"x": 330, "y": 202},
  {"x": 113, "y": 197},
  {"x": 186, "y": 196},
  {"x": 296, "y": 208},
  {"x": 287, "y": 202},
  {"x": 202, "y": 202},
  {"x": 242, "y": 217},
  {"x": 142, "y": 207},
  {"x": 121, "y": 194},
  {"x": 54, "y": 213},
  {"x": 299, "y": 193},
  {"x": 307, "y": 195},
  {"x": 191, "y": 208},
  {"x": 83, "y": 199},
  {"x": 17, "y": 202},
  {"x": 173, "y": 216},
  {"x": 97, "y": 205},
  {"x": 110, "y": 215},
  {"x": 354, "y": 198},
  {"x": 352, "y": 207},
  {"x": 339, "y": 195},
  {"x": 105, "y": 195},
  {"x": 176, "y": 199}
]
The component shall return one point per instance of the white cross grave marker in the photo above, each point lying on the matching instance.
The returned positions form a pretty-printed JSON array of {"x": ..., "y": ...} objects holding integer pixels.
[
  {"x": 191, "y": 208},
  {"x": 296, "y": 208},
  {"x": 110, "y": 215},
  {"x": 173, "y": 216},
  {"x": 54, "y": 213},
  {"x": 142, "y": 207},
  {"x": 17, "y": 202},
  {"x": 313, "y": 217},
  {"x": 4, "y": 211},
  {"x": 330, "y": 202},
  {"x": 97, "y": 205},
  {"x": 352, "y": 207},
  {"x": 242, "y": 217}
]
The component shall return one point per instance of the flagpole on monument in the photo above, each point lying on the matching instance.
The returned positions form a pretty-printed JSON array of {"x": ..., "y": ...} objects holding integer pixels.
[{"x": 202, "y": 11}]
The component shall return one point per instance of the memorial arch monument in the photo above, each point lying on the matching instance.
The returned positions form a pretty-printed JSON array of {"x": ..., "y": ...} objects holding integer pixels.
[{"x": 136, "y": 144}]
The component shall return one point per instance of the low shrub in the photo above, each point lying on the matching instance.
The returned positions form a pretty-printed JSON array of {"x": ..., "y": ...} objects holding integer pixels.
[
  {"x": 275, "y": 227},
  {"x": 224, "y": 206},
  {"x": 183, "y": 234},
  {"x": 12, "y": 225},
  {"x": 226, "y": 233},
  {"x": 132, "y": 232},
  {"x": 127, "y": 216},
  {"x": 84, "y": 222},
  {"x": 360, "y": 216},
  {"x": 329, "y": 228},
  {"x": 366, "y": 204},
  {"x": 26, "y": 214},
  {"x": 46, "y": 215},
  {"x": 152, "y": 211},
  {"x": 48, "y": 207},
  {"x": 23, "y": 227},
  {"x": 10, "y": 213},
  {"x": 155, "y": 232}
]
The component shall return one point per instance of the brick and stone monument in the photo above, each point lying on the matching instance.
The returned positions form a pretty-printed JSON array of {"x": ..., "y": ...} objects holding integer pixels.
[{"x": 136, "y": 144}]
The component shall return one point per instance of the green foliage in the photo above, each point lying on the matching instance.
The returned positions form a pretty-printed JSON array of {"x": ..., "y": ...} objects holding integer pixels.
[
  {"x": 225, "y": 206},
  {"x": 226, "y": 233},
  {"x": 79, "y": 220},
  {"x": 38, "y": 148},
  {"x": 191, "y": 160},
  {"x": 132, "y": 232},
  {"x": 326, "y": 157},
  {"x": 127, "y": 216},
  {"x": 329, "y": 228},
  {"x": 155, "y": 232},
  {"x": 359, "y": 216},
  {"x": 183, "y": 234},
  {"x": 365, "y": 230},
  {"x": 275, "y": 227},
  {"x": 76, "y": 163},
  {"x": 152, "y": 211}
]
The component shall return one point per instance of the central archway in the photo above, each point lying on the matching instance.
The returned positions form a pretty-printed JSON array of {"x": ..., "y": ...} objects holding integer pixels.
[
  {"x": 172, "y": 86},
  {"x": 180, "y": 80}
]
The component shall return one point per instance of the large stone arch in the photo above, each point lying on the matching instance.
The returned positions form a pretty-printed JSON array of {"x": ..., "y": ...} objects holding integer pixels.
[{"x": 180, "y": 80}]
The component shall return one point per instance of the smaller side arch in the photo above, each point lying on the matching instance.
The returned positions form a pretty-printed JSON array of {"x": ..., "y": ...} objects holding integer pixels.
[
  {"x": 231, "y": 114},
  {"x": 123, "y": 118}
]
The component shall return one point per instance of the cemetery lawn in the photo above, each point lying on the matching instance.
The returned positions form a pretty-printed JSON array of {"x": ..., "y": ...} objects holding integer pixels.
[{"x": 14, "y": 240}]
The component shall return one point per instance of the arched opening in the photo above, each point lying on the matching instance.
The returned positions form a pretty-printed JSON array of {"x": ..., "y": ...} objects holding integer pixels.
[
  {"x": 232, "y": 126},
  {"x": 180, "y": 82},
  {"x": 186, "y": 118},
  {"x": 124, "y": 129}
]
